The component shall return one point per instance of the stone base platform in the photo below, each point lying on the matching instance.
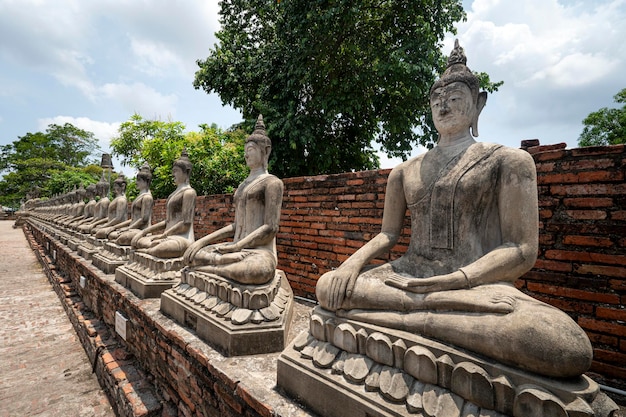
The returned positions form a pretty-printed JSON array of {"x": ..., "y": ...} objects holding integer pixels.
[
  {"x": 89, "y": 246},
  {"x": 148, "y": 276},
  {"x": 237, "y": 319},
  {"x": 111, "y": 257},
  {"x": 344, "y": 368}
]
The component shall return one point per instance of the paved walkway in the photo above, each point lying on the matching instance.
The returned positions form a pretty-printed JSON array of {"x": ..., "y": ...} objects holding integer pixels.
[{"x": 44, "y": 370}]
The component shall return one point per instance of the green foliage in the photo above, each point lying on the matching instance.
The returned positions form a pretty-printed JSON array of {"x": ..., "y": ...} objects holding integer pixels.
[
  {"x": 217, "y": 156},
  {"x": 53, "y": 162},
  {"x": 68, "y": 179},
  {"x": 605, "y": 126},
  {"x": 330, "y": 77}
]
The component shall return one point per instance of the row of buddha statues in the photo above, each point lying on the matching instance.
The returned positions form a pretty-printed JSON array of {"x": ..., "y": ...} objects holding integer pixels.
[{"x": 439, "y": 331}]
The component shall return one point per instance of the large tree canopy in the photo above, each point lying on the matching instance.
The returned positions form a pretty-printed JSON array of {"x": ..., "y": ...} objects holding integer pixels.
[
  {"x": 330, "y": 77},
  {"x": 605, "y": 126},
  {"x": 52, "y": 161},
  {"x": 216, "y": 155}
]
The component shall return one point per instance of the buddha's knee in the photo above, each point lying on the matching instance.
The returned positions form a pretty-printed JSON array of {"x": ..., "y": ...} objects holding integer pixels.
[
  {"x": 322, "y": 291},
  {"x": 559, "y": 347}
]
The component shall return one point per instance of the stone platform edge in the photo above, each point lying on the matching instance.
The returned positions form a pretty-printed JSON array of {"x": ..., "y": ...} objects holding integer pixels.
[{"x": 162, "y": 368}]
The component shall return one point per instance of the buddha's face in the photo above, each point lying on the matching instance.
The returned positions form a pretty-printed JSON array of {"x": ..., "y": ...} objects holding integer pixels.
[
  {"x": 180, "y": 176},
  {"x": 453, "y": 108},
  {"x": 117, "y": 188},
  {"x": 253, "y": 155},
  {"x": 142, "y": 184}
]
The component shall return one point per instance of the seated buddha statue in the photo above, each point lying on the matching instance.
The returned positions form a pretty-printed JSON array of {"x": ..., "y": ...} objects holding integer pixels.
[
  {"x": 250, "y": 258},
  {"x": 176, "y": 231},
  {"x": 117, "y": 211},
  {"x": 101, "y": 208},
  {"x": 141, "y": 211},
  {"x": 474, "y": 231}
]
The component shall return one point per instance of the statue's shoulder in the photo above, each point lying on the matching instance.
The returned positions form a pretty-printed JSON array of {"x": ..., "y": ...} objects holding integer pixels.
[
  {"x": 407, "y": 166},
  {"x": 512, "y": 159}
]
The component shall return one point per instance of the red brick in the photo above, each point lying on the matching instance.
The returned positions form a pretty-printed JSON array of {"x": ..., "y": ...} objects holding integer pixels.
[
  {"x": 587, "y": 241},
  {"x": 587, "y": 189},
  {"x": 578, "y": 256},
  {"x": 586, "y": 202},
  {"x": 545, "y": 214},
  {"x": 611, "y": 271},
  {"x": 547, "y": 155},
  {"x": 609, "y": 356},
  {"x": 618, "y": 215},
  {"x": 602, "y": 326},
  {"x": 569, "y": 306},
  {"x": 611, "y": 313},
  {"x": 574, "y": 294},
  {"x": 602, "y": 339},
  {"x": 553, "y": 265},
  {"x": 618, "y": 284},
  {"x": 586, "y": 214},
  {"x": 610, "y": 371},
  {"x": 597, "y": 150},
  {"x": 588, "y": 164},
  {"x": 545, "y": 166}
]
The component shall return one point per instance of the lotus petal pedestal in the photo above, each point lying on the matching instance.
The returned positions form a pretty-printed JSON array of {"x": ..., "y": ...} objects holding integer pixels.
[
  {"x": 344, "y": 368},
  {"x": 111, "y": 257},
  {"x": 148, "y": 276},
  {"x": 237, "y": 319}
]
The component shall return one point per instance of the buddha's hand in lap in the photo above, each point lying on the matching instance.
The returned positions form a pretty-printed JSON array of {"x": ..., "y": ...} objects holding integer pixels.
[
  {"x": 453, "y": 281},
  {"x": 227, "y": 247},
  {"x": 337, "y": 285},
  {"x": 191, "y": 252}
]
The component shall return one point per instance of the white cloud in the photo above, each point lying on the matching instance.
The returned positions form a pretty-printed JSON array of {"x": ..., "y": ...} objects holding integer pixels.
[
  {"x": 140, "y": 98},
  {"x": 559, "y": 61},
  {"x": 102, "y": 131},
  {"x": 155, "y": 59}
]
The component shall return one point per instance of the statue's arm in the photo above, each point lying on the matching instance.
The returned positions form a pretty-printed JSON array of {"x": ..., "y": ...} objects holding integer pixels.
[{"x": 518, "y": 210}]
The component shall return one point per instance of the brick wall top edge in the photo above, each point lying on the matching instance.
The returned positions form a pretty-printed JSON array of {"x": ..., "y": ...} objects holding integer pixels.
[
  {"x": 546, "y": 148},
  {"x": 327, "y": 177}
]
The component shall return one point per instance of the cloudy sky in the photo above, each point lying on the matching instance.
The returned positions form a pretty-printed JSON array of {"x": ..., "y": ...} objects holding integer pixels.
[{"x": 94, "y": 64}]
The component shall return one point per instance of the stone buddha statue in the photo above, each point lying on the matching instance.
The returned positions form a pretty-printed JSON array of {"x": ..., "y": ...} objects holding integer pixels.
[
  {"x": 241, "y": 303},
  {"x": 443, "y": 327},
  {"x": 116, "y": 250},
  {"x": 101, "y": 209},
  {"x": 474, "y": 231},
  {"x": 177, "y": 228},
  {"x": 155, "y": 263},
  {"x": 141, "y": 211},
  {"x": 88, "y": 210},
  {"x": 117, "y": 211},
  {"x": 251, "y": 256}
]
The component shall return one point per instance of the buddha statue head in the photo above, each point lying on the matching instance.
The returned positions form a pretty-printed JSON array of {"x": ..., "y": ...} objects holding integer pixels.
[
  {"x": 145, "y": 175},
  {"x": 260, "y": 138},
  {"x": 458, "y": 72}
]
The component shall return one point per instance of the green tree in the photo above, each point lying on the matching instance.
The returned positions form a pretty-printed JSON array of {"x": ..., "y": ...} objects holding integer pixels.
[
  {"x": 35, "y": 159},
  {"x": 605, "y": 126},
  {"x": 331, "y": 77},
  {"x": 217, "y": 156}
]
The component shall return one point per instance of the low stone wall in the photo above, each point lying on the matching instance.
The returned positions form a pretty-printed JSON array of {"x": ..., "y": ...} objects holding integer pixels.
[{"x": 160, "y": 369}]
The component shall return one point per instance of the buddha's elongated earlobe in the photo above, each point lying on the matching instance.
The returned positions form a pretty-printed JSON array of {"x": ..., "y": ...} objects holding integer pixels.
[{"x": 480, "y": 104}]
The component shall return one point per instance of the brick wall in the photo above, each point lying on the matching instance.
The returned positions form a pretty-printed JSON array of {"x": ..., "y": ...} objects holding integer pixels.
[{"x": 581, "y": 267}]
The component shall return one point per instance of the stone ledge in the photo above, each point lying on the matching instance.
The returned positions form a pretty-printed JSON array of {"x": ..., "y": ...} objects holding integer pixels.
[{"x": 186, "y": 375}]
